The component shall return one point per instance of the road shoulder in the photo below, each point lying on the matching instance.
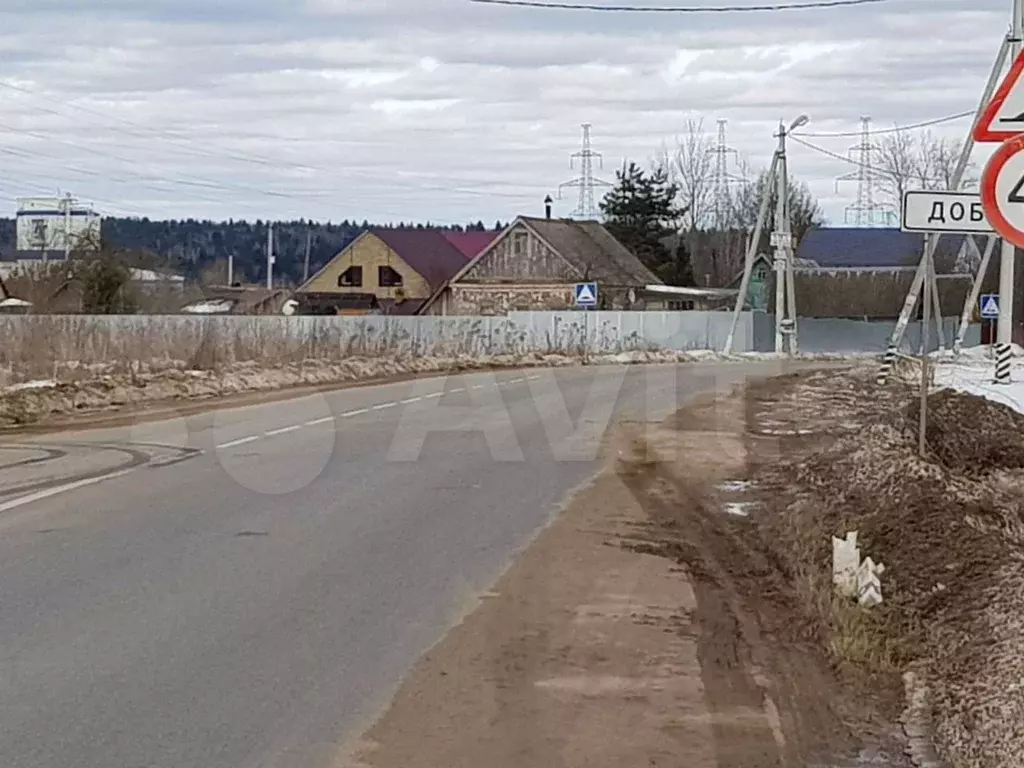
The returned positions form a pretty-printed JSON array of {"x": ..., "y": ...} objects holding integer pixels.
[{"x": 615, "y": 640}]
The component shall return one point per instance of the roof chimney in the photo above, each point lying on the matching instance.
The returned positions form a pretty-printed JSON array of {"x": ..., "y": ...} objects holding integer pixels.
[{"x": 547, "y": 207}]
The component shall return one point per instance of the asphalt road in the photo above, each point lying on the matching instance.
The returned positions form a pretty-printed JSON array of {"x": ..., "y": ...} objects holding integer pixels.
[{"x": 245, "y": 588}]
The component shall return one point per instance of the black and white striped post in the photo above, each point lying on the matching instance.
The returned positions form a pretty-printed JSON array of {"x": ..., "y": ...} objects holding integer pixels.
[
  {"x": 1004, "y": 353},
  {"x": 888, "y": 363}
]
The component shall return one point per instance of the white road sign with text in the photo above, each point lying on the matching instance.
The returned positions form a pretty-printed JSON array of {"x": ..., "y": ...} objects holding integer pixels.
[{"x": 941, "y": 211}]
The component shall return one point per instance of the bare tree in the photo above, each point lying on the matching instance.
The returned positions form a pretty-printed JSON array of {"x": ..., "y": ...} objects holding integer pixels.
[
  {"x": 906, "y": 160},
  {"x": 805, "y": 212},
  {"x": 691, "y": 168}
]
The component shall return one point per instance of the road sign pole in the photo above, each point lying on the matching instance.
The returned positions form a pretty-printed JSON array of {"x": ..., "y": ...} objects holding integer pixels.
[
  {"x": 1008, "y": 252},
  {"x": 965, "y": 155},
  {"x": 926, "y": 299},
  {"x": 972, "y": 298}
]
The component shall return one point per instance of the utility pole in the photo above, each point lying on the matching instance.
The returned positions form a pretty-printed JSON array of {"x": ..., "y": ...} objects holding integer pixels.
[
  {"x": 1008, "y": 252},
  {"x": 305, "y": 264},
  {"x": 781, "y": 240},
  {"x": 752, "y": 245},
  {"x": 787, "y": 241},
  {"x": 66, "y": 204},
  {"x": 231, "y": 269},
  {"x": 270, "y": 256},
  {"x": 926, "y": 298},
  {"x": 780, "y": 252}
]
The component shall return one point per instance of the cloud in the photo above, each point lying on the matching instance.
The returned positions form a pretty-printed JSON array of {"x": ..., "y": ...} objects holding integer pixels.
[{"x": 444, "y": 110}]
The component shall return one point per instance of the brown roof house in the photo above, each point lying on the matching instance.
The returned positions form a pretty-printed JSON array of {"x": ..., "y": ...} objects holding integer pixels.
[
  {"x": 534, "y": 265},
  {"x": 389, "y": 271}
]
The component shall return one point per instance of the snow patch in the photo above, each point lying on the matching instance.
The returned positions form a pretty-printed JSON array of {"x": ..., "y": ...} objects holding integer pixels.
[
  {"x": 38, "y": 384},
  {"x": 739, "y": 508},
  {"x": 981, "y": 382},
  {"x": 734, "y": 486}
]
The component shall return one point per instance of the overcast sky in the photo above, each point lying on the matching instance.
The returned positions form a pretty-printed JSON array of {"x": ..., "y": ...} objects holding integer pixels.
[{"x": 444, "y": 110}]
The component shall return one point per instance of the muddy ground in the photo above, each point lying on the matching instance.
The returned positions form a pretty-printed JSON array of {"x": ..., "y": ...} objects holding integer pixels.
[{"x": 646, "y": 626}]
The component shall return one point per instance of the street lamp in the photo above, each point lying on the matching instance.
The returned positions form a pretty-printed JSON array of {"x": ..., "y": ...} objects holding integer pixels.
[{"x": 782, "y": 240}]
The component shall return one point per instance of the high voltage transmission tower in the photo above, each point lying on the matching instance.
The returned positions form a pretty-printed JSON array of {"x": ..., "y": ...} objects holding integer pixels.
[
  {"x": 722, "y": 177},
  {"x": 586, "y": 208},
  {"x": 865, "y": 211}
]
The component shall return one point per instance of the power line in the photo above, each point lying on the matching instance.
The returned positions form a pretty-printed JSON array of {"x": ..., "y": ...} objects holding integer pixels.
[
  {"x": 680, "y": 9},
  {"x": 823, "y": 151},
  {"x": 486, "y": 189},
  {"x": 897, "y": 129}
]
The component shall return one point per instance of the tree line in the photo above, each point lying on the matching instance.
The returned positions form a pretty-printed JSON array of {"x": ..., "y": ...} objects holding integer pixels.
[
  {"x": 669, "y": 213},
  {"x": 199, "y": 249}
]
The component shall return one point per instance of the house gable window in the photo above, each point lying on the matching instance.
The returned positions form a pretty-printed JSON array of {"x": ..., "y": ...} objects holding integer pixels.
[
  {"x": 519, "y": 243},
  {"x": 351, "y": 278},
  {"x": 388, "y": 277}
]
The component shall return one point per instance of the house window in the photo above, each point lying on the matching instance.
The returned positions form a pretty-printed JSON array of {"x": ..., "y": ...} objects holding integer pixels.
[
  {"x": 519, "y": 244},
  {"x": 680, "y": 306},
  {"x": 388, "y": 277},
  {"x": 351, "y": 278}
]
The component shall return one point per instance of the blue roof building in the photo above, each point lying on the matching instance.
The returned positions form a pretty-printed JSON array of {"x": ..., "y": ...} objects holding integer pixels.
[{"x": 873, "y": 248}]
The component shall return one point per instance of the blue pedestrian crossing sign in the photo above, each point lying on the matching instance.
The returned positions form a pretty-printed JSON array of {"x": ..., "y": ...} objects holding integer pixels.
[
  {"x": 586, "y": 294},
  {"x": 990, "y": 305}
]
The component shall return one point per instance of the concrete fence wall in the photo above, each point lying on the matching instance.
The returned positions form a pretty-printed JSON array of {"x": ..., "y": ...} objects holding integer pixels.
[
  {"x": 816, "y": 335},
  {"x": 103, "y": 337}
]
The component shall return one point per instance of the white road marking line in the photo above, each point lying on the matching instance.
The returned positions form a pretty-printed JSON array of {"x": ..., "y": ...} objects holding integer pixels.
[
  {"x": 48, "y": 492},
  {"x": 478, "y": 386},
  {"x": 282, "y": 430},
  {"x": 436, "y": 394},
  {"x": 532, "y": 378},
  {"x": 357, "y": 412},
  {"x": 239, "y": 441},
  {"x": 316, "y": 422},
  {"x": 460, "y": 389},
  {"x": 384, "y": 406},
  {"x": 411, "y": 400}
]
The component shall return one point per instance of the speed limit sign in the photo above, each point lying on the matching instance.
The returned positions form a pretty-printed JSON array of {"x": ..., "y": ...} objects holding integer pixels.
[{"x": 1002, "y": 190}]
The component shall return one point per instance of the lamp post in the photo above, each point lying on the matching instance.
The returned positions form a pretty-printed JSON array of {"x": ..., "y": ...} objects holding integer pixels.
[{"x": 782, "y": 241}]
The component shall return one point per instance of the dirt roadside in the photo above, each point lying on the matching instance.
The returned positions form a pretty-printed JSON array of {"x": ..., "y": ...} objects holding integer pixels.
[
  {"x": 641, "y": 628},
  {"x": 118, "y": 399}
]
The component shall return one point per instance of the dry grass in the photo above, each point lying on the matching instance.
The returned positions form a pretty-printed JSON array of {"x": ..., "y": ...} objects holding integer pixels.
[
  {"x": 950, "y": 531},
  {"x": 88, "y": 364},
  {"x": 69, "y": 347}
]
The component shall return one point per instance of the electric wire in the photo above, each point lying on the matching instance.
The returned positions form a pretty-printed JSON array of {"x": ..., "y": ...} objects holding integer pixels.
[
  {"x": 181, "y": 139},
  {"x": 897, "y": 129},
  {"x": 796, "y": 6}
]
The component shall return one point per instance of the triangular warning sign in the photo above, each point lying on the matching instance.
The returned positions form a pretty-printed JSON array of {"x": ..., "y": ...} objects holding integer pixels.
[
  {"x": 1003, "y": 118},
  {"x": 584, "y": 295},
  {"x": 990, "y": 306}
]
